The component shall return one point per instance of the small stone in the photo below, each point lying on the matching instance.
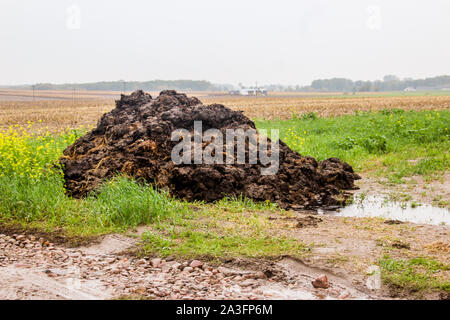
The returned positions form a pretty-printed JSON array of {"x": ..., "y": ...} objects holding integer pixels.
[
  {"x": 115, "y": 270},
  {"x": 141, "y": 262},
  {"x": 50, "y": 273},
  {"x": 73, "y": 254},
  {"x": 166, "y": 267},
  {"x": 176, "y": 266},
  {"x": 188, "y": 269},
  {"x": 110, "y": 260},
  {"x": 248, "y": 283},
  {"x": 196, "y": 264},
  {"x": 156, "y": 262},
  {"x": 321, "y": 282},
  {"x": 227, "y": 271}
]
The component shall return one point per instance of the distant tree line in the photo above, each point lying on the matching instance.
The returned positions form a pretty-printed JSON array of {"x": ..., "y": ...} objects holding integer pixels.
[
  {"x": 389, "y": 83},
  {"x": 121, "y": 85}
]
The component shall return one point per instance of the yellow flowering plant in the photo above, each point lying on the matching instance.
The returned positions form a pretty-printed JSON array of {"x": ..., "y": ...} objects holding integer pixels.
[{"x": 32, "y": 155}]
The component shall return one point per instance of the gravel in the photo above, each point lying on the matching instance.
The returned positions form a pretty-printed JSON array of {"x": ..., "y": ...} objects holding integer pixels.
[{"x": 33, "y": 268}]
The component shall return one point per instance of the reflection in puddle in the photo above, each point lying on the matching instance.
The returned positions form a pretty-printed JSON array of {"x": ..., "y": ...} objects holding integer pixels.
[{"x": 373, "y": 206}]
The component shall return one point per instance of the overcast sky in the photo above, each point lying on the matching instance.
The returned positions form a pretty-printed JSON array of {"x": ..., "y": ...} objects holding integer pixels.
[{"x": 232, "y": 41}]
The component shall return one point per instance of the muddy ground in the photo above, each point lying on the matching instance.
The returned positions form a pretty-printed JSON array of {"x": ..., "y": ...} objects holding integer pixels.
[{"x": 415, "y": 188}]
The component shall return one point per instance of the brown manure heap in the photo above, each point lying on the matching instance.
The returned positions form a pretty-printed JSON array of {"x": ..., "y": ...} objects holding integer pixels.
[{"x": 134, "y": 139}]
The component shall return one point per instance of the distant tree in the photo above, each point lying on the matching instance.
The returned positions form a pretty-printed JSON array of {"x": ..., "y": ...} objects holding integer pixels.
[{"x": 390, "y": 77}]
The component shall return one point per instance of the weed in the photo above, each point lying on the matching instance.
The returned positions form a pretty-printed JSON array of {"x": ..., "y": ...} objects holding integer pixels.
[{"x": 417, "y": 274}]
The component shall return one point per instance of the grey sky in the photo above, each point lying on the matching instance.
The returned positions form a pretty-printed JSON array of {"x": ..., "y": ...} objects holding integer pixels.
[{"x": 287, "y": 42}]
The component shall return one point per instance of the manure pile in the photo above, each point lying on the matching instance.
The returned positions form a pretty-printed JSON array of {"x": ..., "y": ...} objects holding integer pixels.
[{"x": 134, "y": 139}]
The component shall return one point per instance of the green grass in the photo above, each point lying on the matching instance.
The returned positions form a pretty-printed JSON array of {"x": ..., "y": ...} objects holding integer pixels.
[
  {"x": 417, "y": 274},
  {"x": 231, "y": 227},
  {"x": 391, "y": 143},
  {"x": 241, "y": 204},
  {"x": 119, "y": 205},
  {"x": 219, "y": 246},
  {"x": 227, "y": 228}
]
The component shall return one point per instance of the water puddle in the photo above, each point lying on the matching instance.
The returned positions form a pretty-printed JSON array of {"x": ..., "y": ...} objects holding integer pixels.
[{"x": 378, "y": 206}]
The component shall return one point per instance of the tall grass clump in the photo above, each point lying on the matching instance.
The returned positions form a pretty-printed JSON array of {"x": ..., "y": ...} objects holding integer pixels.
[{"x": 125, "y": 202}]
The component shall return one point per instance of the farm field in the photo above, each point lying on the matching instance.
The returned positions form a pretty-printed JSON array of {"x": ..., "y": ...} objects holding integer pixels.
[
  {"x": 399, "y": 144},
  {"x": 285, "y": 107},
  {"x": 30, "y": 95},
  {"x": 56, "y": 114}
]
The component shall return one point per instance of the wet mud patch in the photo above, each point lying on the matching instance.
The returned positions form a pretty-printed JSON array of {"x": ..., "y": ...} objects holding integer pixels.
[
  {"x": 392, "y": 222},
  {"x": 56, "y": 236},
  {"x": 267, "y": 268},
  {"x": 301, "y": 221},
  {"x": 111, "y": 244},
  {"x": 395, "y": 212},
  {"x": 308, "y": 221}
]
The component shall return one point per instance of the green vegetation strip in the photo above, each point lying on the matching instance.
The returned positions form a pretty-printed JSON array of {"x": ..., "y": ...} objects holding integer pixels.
[{"x": 391, "y": 143}]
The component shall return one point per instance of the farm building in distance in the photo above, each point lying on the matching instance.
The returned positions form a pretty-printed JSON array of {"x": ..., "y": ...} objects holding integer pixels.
[{"x": 248, "y": 92}]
